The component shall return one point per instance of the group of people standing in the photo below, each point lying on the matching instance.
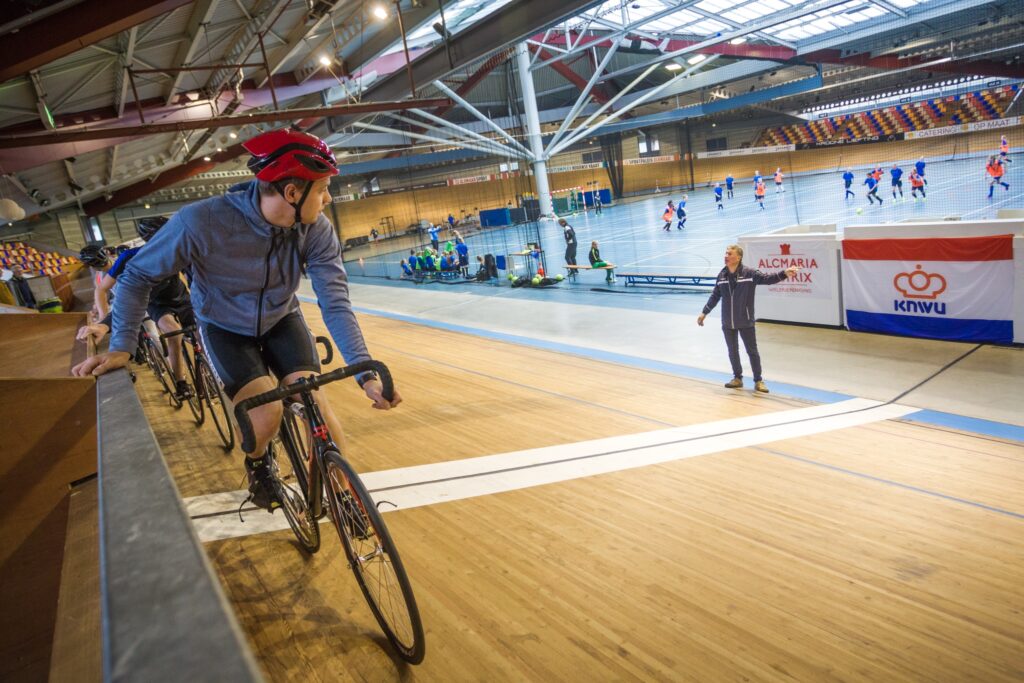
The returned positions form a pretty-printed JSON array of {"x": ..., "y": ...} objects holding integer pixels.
[{"x": 454, "y": 257}]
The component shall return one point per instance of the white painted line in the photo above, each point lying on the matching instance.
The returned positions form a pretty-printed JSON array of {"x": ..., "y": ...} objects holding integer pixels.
[{"x": 410, "y": 487}]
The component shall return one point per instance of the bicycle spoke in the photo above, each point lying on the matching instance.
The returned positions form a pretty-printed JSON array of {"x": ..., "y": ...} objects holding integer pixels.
[{"x": 374, "y": 559}]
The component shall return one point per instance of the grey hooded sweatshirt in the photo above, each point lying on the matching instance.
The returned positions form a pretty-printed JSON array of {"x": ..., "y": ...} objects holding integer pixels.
[{"x": 245, "y": 271}]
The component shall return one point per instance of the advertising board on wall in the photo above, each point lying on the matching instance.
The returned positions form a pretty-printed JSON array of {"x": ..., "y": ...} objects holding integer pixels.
[
  {"x": 746, "y": 151},
  {"x": 842, "y": 142},
  {"x": 992, "y": 124},
  {"x": 810, "y": 256}
]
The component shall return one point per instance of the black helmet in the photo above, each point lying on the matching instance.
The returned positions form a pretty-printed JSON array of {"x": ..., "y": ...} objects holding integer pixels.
[
  {"x": 147, "y": 227},
  {"x": 94, "y": 255}
]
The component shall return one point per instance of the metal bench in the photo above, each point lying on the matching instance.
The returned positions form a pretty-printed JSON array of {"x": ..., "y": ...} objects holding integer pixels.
[
  {"x": 668, "y": 279},
  {"x": 573, "y": 270}
]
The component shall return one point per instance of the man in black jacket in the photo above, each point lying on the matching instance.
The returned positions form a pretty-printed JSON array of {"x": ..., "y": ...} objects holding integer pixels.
[
  {"x": 570, "y": 242},
  {"x": 735, "y": 287}
]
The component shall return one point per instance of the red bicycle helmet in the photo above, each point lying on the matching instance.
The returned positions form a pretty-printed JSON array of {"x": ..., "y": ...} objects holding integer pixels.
[{"x": 288, "y": 153}]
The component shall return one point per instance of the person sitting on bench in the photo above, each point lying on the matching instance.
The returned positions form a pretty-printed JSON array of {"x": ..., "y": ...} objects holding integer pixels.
[{"x": 597, "y": 262}]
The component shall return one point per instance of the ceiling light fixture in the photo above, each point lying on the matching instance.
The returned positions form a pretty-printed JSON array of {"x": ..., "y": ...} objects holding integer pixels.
[
  {"x": 233, "y": 135},
  {"x": 696, "y": 59},
  {"x": 206, "y": 158},
  {"x": 325, "y": 60},
  {"x": 380, "y": 12},
  {"x": 738, "y": 41},
  {"x": 673, "y": 67}
]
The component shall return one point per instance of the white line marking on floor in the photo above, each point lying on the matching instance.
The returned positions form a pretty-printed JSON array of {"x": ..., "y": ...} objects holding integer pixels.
[{"x": 441, "y": 482}]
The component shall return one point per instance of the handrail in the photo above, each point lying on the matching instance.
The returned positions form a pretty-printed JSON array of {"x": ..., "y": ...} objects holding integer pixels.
[{"x": 164, "y": 615}]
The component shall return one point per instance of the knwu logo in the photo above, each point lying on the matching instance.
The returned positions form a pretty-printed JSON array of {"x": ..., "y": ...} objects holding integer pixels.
[{"x": 920, "y": 291}]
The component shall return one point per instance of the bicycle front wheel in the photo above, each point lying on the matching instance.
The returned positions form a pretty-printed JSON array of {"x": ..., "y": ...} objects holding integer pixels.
[{"x": 374, "y": 558}]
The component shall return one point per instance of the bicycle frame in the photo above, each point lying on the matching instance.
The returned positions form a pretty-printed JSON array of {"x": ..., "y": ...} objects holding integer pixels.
[{"x": 320, "y": 441}]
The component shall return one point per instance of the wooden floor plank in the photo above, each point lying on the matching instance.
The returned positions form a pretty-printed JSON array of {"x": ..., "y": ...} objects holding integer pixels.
[{"x": 767, "y": 563}]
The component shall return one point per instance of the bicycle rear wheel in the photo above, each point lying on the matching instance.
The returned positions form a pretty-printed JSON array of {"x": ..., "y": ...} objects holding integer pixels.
[
  {"x": 216, "y": 402},
  {"x": 293, "y": 498},
  {"x": 158, "y": 364},
  {"x": 195, "y": 401},
  {"x": 374, "y": 558}
]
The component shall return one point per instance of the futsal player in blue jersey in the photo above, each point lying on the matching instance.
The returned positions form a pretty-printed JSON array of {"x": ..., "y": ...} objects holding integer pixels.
[
  {"x": 919, "y": 167},
  {"x": 848, "y": 182},
  {"x": 872, "y": 184},
  {"x": 897, "y": 181},
  {"x": 681, "y": 212},
  {"x": 729, "y": 180},
  {"x": 718, "y": 196}
]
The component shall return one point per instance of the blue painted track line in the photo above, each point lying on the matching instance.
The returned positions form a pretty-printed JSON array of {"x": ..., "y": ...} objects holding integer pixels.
[{"x": 991, "y": 428}]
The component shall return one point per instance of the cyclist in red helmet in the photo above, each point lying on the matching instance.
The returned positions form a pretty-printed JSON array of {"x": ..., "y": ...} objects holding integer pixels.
[{"x": 247, "y": 251}]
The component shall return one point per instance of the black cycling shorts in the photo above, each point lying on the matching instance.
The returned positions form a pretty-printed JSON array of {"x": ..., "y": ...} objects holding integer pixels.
[
  {"x": 156, "y": 310},
  {"x": 238, "y": 359}
]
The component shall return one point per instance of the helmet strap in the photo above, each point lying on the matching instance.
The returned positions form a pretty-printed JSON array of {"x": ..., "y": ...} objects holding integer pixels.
[{"x": 302, "y": 200}]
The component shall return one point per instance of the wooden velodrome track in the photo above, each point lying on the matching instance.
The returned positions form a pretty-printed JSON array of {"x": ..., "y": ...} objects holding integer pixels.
[{"x": 884, "y": 551}]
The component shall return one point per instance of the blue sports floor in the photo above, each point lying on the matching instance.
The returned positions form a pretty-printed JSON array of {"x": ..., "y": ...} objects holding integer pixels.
[{"x": 630, "y": 234}]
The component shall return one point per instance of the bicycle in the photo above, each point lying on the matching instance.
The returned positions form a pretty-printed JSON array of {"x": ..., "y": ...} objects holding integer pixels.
[
  {"x": 153, "y": 355},
  {"x": 321, "y": 473},
  {"x": 206, "y": 388}
]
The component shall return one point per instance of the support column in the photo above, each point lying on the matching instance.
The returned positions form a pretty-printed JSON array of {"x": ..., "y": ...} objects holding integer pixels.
[{"x": 533, "y": 135}]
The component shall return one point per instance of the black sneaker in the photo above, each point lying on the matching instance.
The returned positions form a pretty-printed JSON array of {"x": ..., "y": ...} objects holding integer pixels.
[
  {"x": 262, "y": 491},
  {"x": 182, "y": 390},
  {"x": 354, "y": 517}
]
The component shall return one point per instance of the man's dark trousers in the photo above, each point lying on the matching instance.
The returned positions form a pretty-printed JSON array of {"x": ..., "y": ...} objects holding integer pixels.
[{"x": 750, "y": 344}]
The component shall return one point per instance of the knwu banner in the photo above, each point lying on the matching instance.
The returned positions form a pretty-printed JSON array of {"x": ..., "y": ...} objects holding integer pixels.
[{"x": 955, "y": 288}]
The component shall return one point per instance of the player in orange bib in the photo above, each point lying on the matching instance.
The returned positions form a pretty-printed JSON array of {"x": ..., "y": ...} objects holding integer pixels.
[
  {"x": 759, "y": 190},
  {"x": 1004, "y": 150},
  {"x": 778, "y": 181},
  {"x": 995, "y": 170},
  {"x": 916, "y": 185},
  {"x": 670, "y": 212}
]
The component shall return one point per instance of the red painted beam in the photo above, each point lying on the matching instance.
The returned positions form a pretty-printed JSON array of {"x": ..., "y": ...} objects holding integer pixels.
[
  {"x": 77, "y": 27},
  {"x": 165, "y": 179},
  {"x": 193, "y": 168},
  {"x": 475, "y": 78},
  {"x": 981, "y": 67},
  {"x": 59, "y": 137},
  {"x": 464, "y": 89},
  {"x": 741, "y": 51},
  {"x": 597, "y": 92}
]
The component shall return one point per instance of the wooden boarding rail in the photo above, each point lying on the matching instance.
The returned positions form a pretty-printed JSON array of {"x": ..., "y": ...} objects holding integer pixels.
[
  {"x": 76, "y": 635},
  {"x": 668, "y": 279},
  {"x": 49, "y": 444}
]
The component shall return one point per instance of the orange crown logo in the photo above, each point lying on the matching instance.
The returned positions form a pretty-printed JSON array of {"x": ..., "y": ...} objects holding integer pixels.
[
  {"x": 784, "y": 249},
  {"x": 918, "y": 284}
]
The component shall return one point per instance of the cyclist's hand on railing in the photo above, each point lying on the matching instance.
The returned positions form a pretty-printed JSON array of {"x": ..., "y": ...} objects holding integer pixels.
[
  {"x": 93, "y": 332},
  {"x": 375, "y": 392},
  {"x": 102, "y": 363}
]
